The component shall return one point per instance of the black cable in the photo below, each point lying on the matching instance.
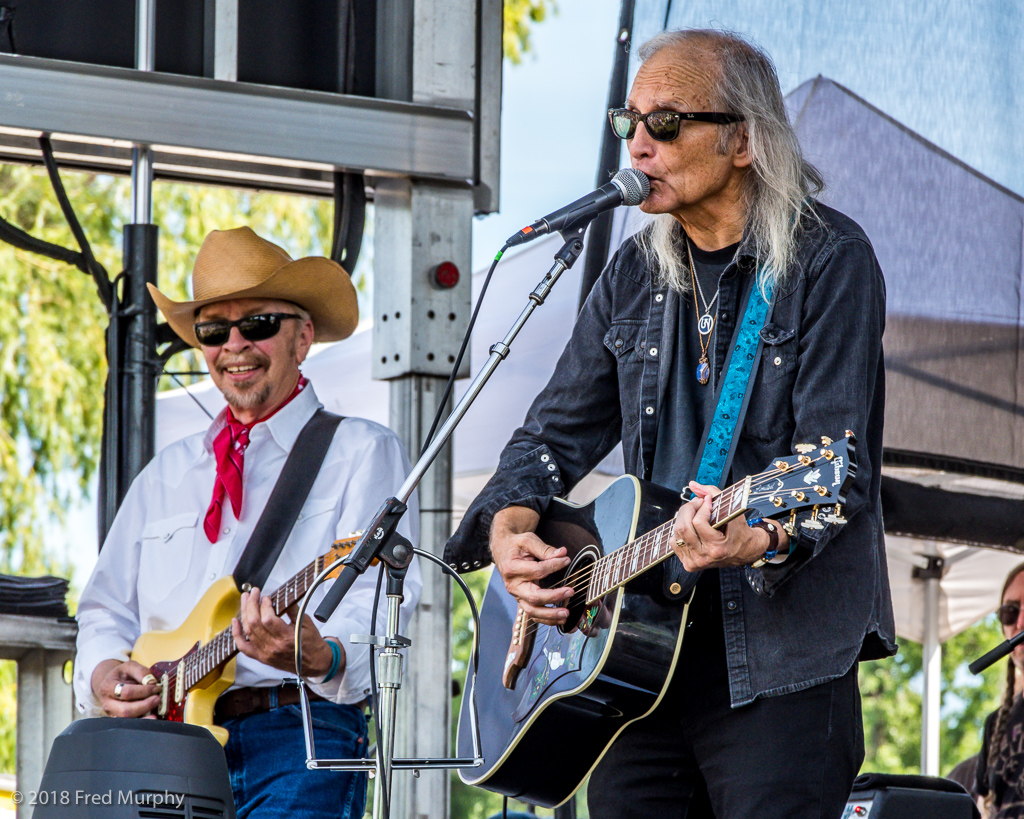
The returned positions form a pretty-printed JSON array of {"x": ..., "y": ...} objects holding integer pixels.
[
  {"x": 462, "y": 352},
  {"x": 14, "y": 235},
  {"x": 374, "y": 701},
  {"x": 668, "y": 11},
  {"x": 95, "y": 269},
  {"x": 190, "y": 395}
]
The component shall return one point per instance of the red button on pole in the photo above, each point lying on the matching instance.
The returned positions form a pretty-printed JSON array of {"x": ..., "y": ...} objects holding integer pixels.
[{"x": 446, "y": 275}]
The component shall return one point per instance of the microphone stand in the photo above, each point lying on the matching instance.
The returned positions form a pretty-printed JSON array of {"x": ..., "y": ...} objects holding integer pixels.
[{"x": 380, "y": 541}]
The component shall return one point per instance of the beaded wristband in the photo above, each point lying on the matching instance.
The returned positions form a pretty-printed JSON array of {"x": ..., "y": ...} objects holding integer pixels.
[
  {"x": 335, "y": 661},
  {"x": 773, "y": 541}
]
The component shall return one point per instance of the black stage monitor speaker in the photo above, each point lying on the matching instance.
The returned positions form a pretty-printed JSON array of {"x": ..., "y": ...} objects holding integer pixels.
[
  {"x": 108, "y": 768},
  {"x": 888, "y": 796}
]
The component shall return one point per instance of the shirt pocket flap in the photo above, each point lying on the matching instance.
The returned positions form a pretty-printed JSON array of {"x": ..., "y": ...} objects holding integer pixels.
[
  {"x": 314, "y": 507},
  {"x": 774, "y": 335},
  {"x": 166, "y": 528},
  {"x": 623, "y": 338}
]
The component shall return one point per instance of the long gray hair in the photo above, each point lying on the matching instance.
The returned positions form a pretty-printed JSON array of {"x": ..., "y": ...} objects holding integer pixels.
[{"x": 779, "y": 181}]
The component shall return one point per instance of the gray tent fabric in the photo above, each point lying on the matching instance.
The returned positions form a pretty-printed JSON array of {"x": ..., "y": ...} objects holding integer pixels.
[{"x": 949, "y": 242}]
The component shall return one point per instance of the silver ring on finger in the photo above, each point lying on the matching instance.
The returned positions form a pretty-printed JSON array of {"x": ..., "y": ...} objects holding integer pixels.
[{"x": 118, "y": 689}]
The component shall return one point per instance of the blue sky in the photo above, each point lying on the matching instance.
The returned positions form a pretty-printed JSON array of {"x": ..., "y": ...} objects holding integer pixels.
[
  {"x": 553, "y": 110},
  {"x": 950, "y": 71}
]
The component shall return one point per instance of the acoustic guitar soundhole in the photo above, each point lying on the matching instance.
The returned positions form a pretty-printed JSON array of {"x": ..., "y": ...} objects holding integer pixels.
[{"x": 578, "y": 576}]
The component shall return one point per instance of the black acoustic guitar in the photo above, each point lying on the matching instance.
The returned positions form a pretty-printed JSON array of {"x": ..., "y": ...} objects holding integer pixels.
[{"x": 576, "y": 686}]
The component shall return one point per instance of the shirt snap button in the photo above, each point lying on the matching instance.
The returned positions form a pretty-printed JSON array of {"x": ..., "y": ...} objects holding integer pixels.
[
  {"x": 545, "y": 458},
  {"x": 660, "y": 297},
  {"x": 551, "y": 467},
  {"x": 731, "y": 605},
  {"x": 618, "y": 342},
  {"x": 778, "y": 361},
  {"x": 649, "y": 410},
  {"x": 654, "y": 351}
]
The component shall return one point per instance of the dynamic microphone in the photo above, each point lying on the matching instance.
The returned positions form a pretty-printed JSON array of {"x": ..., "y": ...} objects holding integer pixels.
[
  {"x": 628, "y": 187},
  {"x": 996, "y": 653}
]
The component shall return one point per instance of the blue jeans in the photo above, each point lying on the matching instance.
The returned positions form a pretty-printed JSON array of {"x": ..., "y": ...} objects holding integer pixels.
[{"x": 267, "y": 762}]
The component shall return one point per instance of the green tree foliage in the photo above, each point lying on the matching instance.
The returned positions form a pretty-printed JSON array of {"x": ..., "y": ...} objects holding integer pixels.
[
  {"x": 52, "y": 362},
  {"x": 520, "y": 15},
  {"x": 891, "y": 692}
]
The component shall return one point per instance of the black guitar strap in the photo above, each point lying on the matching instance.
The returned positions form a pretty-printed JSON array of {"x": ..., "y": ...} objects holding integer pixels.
[{"x": 286, "y": 500}]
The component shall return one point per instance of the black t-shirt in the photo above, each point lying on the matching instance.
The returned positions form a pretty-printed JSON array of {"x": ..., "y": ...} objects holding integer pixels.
[
  {"x": 1004, "y": 777},
  {"x": 680, "y": 427},
  {"x": 680, "y": 424}
]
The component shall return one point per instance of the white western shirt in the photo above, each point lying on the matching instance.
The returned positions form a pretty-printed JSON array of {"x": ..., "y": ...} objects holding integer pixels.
[{"x": 156, "y": 562}]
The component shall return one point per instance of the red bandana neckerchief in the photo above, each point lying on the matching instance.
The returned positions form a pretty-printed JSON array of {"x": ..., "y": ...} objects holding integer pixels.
[{"x": 229, "y": 451}]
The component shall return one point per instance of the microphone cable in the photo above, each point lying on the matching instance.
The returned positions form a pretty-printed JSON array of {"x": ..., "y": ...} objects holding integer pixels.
[{"x": 462, "y": 351}]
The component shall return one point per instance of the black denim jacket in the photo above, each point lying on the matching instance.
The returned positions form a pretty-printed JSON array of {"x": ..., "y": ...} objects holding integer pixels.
[{"x": 787, "y": 626}]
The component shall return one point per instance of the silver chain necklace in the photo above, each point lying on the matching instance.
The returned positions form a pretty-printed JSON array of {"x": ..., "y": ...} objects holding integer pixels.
[{"x": 706, "y": 321}]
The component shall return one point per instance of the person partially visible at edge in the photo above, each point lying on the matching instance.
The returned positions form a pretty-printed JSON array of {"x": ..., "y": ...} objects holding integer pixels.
[
  {"x": 762, "y": 716},
  {"x": 1000, "y": 777},
  {"x": 188, "y": 516}
]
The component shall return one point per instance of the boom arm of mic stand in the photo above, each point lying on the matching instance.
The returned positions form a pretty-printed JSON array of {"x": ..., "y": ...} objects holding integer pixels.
[
  {"x": 996, "y": 653},
  {"x": 376, "y": 535}
]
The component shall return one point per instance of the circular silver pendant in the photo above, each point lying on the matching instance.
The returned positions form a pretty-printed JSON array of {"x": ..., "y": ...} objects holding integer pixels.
[{"x": 705, "y": 324}]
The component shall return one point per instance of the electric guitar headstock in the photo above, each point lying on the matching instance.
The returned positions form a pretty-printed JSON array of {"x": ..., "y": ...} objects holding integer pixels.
[{"x": 817, "y": 477}]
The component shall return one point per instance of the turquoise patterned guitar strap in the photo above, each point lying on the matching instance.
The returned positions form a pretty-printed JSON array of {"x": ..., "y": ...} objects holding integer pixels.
[{"x": 722, "y": 433}]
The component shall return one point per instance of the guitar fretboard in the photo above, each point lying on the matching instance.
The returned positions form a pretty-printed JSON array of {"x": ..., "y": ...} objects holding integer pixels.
[
  {"x": 221, "y": 647},
  {"x": 639, "y": 555}
]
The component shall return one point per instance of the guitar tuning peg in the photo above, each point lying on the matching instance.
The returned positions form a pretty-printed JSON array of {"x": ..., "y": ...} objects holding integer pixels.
[
  {"x": 803, "y": 449},
  {"x": 825, "y": 440},
  {"x": 813, "y": 522},
  {"x": 835, "y": 516}
]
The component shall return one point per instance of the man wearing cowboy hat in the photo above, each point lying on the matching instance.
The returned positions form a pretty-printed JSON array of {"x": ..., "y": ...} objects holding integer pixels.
[{"x": 189, "y": 515}]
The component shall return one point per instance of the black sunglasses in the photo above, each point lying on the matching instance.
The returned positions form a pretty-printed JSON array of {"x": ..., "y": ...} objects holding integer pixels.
[
  {"x": 1008, "y": 613},
  {"x": 663, "y": 126},
  {"x": 253, "y": 328}
]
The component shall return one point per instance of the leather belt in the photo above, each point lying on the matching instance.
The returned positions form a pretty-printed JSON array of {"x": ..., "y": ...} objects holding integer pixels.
[{"x": 242, "y": 702}]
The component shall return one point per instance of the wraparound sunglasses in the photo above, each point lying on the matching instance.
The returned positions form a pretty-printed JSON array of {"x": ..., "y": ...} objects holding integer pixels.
[
  {"x": 663, "y": 126},
  {"x": 253, "y": 328}
]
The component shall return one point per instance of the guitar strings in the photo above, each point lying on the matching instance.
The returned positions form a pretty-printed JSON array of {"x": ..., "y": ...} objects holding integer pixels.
[
  {"x": 221, "y": 647},
  {"x": 718, "y": 503},
  {"x": 641, "y": 548}
]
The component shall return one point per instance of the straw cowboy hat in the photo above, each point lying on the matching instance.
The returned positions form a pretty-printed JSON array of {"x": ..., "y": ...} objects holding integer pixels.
[{"x": 238, "y": 264}]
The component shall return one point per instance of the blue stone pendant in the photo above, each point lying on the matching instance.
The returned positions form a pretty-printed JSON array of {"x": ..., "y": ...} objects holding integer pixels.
[{"x": 703, "y": 371}]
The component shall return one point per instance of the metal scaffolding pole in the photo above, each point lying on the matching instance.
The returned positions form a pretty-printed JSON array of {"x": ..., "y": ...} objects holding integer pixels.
[{"x": 418, "y": 325}]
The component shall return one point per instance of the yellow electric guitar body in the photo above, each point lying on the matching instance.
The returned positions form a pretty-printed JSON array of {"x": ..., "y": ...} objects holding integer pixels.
[{"x": 205, "y": 649}]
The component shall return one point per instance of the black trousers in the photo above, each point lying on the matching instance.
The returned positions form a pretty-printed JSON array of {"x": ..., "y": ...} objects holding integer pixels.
[{"x": 695, "y": 757}]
